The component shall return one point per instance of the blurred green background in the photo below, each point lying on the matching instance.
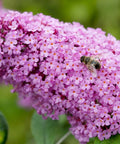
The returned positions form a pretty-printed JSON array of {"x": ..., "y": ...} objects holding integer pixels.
[
  {"x": 104, "y": 14},
  {"x": 91, "y": 13}
]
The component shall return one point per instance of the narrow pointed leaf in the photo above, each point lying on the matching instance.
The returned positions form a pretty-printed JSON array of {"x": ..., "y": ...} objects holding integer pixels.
[{"x": 3, "y": 129}]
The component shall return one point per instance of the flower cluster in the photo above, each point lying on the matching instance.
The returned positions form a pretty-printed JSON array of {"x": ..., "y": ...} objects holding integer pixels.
[{"x": 40, "y": 57}]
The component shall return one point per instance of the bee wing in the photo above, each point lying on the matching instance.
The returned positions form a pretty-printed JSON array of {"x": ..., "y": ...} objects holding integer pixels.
[
  {"x": 96, "y": 57},
  {"x": 101, "y": 55},
  {"x": 92, "y": 70}
]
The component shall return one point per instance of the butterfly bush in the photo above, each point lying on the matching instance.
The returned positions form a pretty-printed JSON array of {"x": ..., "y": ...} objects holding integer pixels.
[{"x": 40, "y": 57}]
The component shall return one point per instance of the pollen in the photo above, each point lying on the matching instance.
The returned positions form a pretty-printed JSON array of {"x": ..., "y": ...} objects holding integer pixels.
[
  {"x": 91, "y": 78},
  {"x": 115, "y": 114},
  {"x": 44, "y": 51},
  {"x": 77, "y": 78},
  {"x": 115, "y": 74},
  {"x": 103, "y": 134},
  {"x": 98, "y": 77},
  {"x": 104, "y": 64},
  {"x": 86, "y": 85},
  {"x": 104, "y": 93},
  {"x": 104, "y": 82},
  {"x": 11, "y": 42},
  {"x": 97, "y": 131},
  {"x": 66, "y": 51},
  {"x": 101, "y": 121},
  {"x": 118, "y": 107},
  {"x": 12, "y": 74},
  {"x": 96, "y": 51}
]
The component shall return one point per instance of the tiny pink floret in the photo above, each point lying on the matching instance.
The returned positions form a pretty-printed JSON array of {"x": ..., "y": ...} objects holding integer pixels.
[{"x": 40, "y": 57}]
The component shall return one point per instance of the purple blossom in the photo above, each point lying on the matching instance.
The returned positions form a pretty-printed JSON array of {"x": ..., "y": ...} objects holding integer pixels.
[
  {"x": 40, "y": 57},
  {"x": 10, "y": 42},
  {"x": 13, "y": 25}
]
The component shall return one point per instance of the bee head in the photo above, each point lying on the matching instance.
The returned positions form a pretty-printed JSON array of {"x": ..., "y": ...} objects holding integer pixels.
[
  {"x": 82, "y": 59},
  {"x": 97, "y": 66}
]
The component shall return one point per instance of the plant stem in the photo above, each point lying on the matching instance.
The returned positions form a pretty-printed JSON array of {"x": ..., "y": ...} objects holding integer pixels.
[{"x": 64, "y": 137}]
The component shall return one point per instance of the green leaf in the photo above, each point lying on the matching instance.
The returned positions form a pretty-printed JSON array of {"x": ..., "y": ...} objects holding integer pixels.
[
  {"x": 91, "y": 141},
  {"x": 3, "y": 129},
  {"x": 47, "y": 131},
  {"x": 113, "y": 140}
]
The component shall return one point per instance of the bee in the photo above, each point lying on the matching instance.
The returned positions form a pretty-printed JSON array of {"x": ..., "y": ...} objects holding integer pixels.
[{"x": 92, "y": 64}]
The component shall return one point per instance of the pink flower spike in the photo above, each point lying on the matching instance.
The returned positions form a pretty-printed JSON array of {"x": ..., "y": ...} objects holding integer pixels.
[{"x": 42, "y": 58}]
